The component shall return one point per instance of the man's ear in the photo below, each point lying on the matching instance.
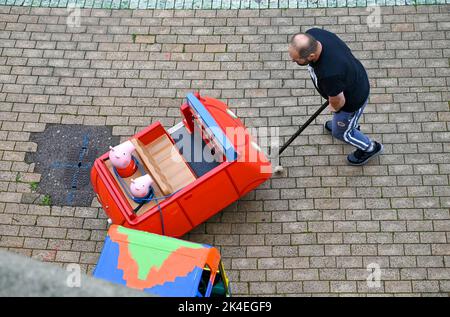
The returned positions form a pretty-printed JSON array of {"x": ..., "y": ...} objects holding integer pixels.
[{"x": 311, "y": 56}]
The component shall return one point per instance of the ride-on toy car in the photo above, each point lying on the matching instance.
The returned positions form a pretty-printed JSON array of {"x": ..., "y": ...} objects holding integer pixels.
[
  {"x": 198, "y": 167},
  {"x": 161, "y": 265}
]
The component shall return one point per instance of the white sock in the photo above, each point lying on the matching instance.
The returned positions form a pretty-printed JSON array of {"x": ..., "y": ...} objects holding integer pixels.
[{"x": 371, "y": 147}]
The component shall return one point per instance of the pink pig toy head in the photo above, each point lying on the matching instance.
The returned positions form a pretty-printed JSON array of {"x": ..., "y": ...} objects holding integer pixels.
[
  {"x": 140, "y": 186},
  {"x": 120, "y": 155}
]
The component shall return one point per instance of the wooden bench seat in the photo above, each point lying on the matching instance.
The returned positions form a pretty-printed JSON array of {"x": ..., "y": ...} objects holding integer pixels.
[{"x": 165, "y": 164}]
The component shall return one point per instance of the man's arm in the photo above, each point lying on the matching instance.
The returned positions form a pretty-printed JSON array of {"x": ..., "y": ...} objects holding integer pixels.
[{"x": 337, "y": 102}]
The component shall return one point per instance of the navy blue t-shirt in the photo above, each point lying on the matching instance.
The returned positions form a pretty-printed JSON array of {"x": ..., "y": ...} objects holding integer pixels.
[{"x": 337, "y": 70}]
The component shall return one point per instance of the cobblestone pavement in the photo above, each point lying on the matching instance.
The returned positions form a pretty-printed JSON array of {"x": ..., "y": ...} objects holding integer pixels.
[
  {"x": 214, "y": 4},
  {"x": 311, "y": 231}
]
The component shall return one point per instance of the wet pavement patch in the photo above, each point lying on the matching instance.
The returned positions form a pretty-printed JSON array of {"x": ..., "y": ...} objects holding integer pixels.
[{"x": 64, "y": 158}]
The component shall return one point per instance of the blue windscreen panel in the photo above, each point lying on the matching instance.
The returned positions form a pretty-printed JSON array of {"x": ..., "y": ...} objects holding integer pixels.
[{"x": 213, "y": 127}]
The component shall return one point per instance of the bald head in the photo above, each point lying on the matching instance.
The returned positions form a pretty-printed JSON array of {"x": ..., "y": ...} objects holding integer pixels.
[{"x": 304, "y": 44}]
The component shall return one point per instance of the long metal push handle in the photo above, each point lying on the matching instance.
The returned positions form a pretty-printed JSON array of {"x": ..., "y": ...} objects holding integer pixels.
[{"x": 303, "y": 127}]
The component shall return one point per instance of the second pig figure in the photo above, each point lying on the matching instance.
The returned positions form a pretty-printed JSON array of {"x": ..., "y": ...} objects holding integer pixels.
[{"x": 141, "y": 186}]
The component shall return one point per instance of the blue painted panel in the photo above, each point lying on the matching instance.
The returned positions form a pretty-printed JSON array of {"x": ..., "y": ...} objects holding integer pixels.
[
  {"x": 211, "y": 124},
  {"x": 106, "y": 268}
]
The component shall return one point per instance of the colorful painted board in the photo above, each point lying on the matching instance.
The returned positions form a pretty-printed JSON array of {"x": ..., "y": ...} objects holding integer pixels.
[{"x": 161, "y": 265}]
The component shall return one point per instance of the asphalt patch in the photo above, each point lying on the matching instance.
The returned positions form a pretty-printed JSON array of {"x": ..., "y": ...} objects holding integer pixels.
[{"x": 64, "y": 158}]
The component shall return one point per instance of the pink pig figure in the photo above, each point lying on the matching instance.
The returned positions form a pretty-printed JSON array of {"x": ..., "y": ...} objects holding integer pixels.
[
  {"x": 121, "y": 159},
  {"x": 140, "y": 186}
]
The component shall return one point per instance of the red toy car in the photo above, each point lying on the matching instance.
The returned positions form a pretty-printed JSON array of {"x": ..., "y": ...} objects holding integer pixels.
[{"x": 199, "y": 167}]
